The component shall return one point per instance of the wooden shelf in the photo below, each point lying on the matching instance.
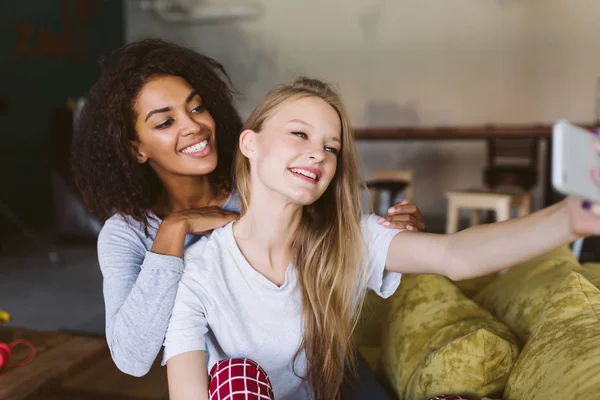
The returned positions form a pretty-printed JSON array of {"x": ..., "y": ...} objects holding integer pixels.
[{"x": 455, "y": 132}]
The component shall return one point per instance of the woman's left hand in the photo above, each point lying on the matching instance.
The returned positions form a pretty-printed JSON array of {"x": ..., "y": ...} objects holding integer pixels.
[
  {"x": 585, "y": 216},
  {"x": 403, "y": 215}
]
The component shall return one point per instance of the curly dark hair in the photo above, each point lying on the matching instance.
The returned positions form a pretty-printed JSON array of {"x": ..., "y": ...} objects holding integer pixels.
[{"x": 104, "y": 166}]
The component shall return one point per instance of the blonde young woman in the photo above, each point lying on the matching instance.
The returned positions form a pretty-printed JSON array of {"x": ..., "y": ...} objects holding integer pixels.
[{"x": 283, "y": 284}]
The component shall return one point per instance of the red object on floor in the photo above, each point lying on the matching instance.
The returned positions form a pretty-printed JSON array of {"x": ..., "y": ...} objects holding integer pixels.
[
  {"x": 6, "y": 353},
  {"x": 239, "y": 379}
]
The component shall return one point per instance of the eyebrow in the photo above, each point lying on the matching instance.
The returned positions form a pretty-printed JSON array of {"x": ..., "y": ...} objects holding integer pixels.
[
  {"x": 299, "y": 121},
  {"x": 190, "y": 97}
]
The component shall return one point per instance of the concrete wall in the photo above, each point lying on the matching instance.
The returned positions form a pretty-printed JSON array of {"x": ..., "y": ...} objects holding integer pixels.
[{"x": 414, "y": 62}]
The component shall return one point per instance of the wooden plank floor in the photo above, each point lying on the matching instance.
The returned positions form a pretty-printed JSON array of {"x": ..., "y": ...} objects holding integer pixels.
[
  {"x": 103, "y": 381},
  {"x": 58, "y": 356}
]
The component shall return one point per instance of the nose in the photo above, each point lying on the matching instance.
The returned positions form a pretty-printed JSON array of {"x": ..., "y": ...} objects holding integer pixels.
[
  {"x": 189, "y": 126},
  {"x": 317, "y": 153}
]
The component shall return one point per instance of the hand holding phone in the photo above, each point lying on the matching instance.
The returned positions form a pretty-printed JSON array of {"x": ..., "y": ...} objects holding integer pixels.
[{"x": 575, "y": 162}]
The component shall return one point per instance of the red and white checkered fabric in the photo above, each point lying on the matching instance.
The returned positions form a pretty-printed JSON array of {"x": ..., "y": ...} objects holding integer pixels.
[{"x": 239, "y": 379}]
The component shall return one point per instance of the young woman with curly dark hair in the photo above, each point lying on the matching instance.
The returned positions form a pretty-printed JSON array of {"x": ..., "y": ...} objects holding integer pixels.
[
  {"x": 153, "y": 156},
  {"x": 121, "y": 156}
]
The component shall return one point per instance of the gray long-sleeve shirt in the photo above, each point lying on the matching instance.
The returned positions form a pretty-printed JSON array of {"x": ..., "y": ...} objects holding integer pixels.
[{"x": 139, "y": 289}]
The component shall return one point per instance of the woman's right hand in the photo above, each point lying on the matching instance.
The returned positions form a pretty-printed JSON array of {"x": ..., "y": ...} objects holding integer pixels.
[
  {"x": 203, "y": 220},
  {"x": 170, "y": 238}
]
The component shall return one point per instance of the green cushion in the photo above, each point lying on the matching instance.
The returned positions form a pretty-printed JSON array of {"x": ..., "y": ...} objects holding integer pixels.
[
  {"x": 561, "y": 360},
  {"x": 519, "y": 296},
  {"x": 438, "y": 341},
  {"x": 591, "y": 272},
  {"x": 471, "y": 287}
]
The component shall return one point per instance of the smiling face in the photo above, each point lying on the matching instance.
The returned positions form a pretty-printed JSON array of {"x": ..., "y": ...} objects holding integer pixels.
[
  {"x": 176, "y": 134},
  {"x": 295, "y": 154}
]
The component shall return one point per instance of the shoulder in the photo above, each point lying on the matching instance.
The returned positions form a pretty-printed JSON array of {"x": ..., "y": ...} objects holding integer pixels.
[
  {"x": 369, "y": 222},
  {"x": 234, "y": 202},
  {"x": 369, "y": 225},
  {"x": 119, "y": 226},
  {"x": 208, "y": 252},
  {"x": 119, "y": 231},
  {"x": 372, "y": 231}
]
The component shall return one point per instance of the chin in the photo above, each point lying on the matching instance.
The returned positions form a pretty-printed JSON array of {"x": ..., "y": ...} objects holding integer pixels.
[
  {"x": 303, "y": 199},
  {"x": 203, "y": 167}
]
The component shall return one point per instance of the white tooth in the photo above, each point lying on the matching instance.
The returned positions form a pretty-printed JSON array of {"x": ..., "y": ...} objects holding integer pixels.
[
  {"x": 311, "y": 175},
  {"x": 196, "y": 147}
]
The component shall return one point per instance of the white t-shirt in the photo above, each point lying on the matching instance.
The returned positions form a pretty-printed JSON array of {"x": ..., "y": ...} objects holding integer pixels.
[{"x": 225, "y": 306}]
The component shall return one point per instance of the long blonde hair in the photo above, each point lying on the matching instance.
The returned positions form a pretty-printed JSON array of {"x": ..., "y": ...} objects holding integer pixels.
[{"x": 328, "y": 247}]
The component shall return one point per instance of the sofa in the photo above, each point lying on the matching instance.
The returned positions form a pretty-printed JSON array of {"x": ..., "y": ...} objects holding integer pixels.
[{"x": 529, "y": 333}]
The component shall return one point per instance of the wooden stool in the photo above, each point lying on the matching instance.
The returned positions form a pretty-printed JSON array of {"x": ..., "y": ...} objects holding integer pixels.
[
  {"x": 393, "y": 181},
  {"x": 477, "y": 200}
]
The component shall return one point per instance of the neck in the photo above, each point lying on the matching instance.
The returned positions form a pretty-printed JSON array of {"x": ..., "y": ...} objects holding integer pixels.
[
  {"x": 266, "y": 231},
  {"x": 184, "y": 192}
]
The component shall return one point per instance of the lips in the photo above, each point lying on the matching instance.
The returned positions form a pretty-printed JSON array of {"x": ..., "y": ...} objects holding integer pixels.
[
  {"x": 307, "y": 172},
  {"x": 194, "y": 148},
  {"x": 197, "y": 145}
]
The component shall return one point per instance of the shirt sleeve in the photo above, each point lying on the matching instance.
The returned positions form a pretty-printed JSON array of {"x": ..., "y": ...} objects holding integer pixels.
[
  {"x": 378, "y": 239},
  {"x": 188, "y": 325},
  {"x": 139, "y": 291}
]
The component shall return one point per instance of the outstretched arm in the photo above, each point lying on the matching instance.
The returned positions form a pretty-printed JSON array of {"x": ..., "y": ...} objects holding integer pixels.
[{"x": 484, "y": 249}]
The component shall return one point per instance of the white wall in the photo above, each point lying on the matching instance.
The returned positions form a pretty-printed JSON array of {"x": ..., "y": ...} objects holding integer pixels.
[{"x": 414, "y": 62}]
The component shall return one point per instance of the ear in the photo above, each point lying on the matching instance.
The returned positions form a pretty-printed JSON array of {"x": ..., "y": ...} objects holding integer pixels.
[
  {"x": 140, "y": 156},
  {"x": 248, "y": 143}
]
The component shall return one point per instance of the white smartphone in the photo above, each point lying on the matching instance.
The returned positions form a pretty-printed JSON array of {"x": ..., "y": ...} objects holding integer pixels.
[{"x": 573, "y": 158}]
